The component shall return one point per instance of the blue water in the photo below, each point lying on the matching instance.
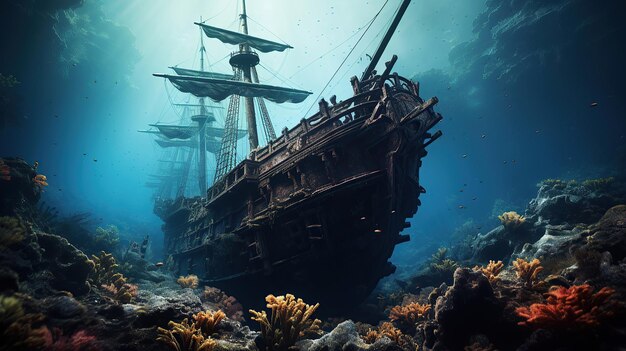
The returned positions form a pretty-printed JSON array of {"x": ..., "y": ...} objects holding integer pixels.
[{"x": 516, "y": 81}]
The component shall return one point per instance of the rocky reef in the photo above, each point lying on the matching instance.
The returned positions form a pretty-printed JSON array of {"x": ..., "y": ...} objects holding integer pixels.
[{"x": 551, "y": 278}]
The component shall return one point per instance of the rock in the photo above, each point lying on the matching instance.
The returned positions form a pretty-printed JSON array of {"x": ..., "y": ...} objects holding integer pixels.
[
  {"x": 69, "y": 266},
  {"x": 18, "y": 195},
  {"x": 468, "y": 308},
  {"x": 63, "y": 307},
  {"x": 609, "y": 234},
  {"x": 164, "y": 302},
  {"x": 9, "y": 280},
  {"x": 343, "y": 337}
]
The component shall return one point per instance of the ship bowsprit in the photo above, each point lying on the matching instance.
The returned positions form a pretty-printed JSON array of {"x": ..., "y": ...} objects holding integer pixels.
[{"x": 318, "y": 211}]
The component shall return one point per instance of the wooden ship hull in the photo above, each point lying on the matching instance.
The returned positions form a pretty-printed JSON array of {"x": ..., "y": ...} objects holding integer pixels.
[{"x": 318, "y": 211}]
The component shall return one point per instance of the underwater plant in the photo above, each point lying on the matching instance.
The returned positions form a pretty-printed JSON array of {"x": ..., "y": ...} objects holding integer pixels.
[
  {"x": 185, "y": 336},
  {"x": 576, "y": 307},
  {"x": 123, "y": 293},
  {"x": 527, "y": 272},
  {"x": 409, "y": 315},
  {"x": 290, "y": 320},
  {"x": 511, "y": 220},
  {"x": 447, "y": 266},
  {"x": 491, "y": 271},
  {"x": 598, "y": 184},
  {"x": 12, "y": 231},
  {"x": 188, "y": 281}
]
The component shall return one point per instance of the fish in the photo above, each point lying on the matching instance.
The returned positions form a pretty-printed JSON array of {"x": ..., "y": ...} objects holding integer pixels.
[
  {"x": 159, "y": 264},
  {"x": 593, "y": 104},
  {"x": 464, "y": 155},
  {"x": 94, "y": 160}
]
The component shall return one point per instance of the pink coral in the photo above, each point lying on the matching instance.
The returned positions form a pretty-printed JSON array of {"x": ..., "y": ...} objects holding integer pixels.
[{"x": 79, "y": 341}]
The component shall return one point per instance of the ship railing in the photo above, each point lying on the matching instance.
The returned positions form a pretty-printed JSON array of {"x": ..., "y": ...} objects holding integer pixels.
[{"x": 247, "y": 169}]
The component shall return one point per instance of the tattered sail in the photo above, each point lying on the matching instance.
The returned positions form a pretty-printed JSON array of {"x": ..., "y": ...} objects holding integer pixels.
[
  {"x": 187, "y": 132},
  {"x": 212, "y": 145},
  {"x": 220, "y": 89},
  {"x": 235, "y": 38},
  {"x": 194, "y": 73}
]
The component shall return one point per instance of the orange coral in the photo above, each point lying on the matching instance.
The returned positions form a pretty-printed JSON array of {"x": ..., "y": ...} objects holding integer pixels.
[
  {"x": 185, "y": 336},
  {"x": 511, "y": 220},
  {"x": 410, "y": 313},
  {"x": 527, "y": 272},
  {"x": 208, "y": 321},
  {"x": 229, "y": 304},
  {"x": 491, "y": 271},
  {"x": 189, "y": 281},
  {"x": 40, "y": 180},
  {"x": 576, "y": 307}
]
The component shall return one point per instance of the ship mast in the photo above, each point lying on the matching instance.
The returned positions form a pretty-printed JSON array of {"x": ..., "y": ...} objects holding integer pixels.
[
  {"x": 202, "y": 119},
  {"x": 245, "y": 60}
]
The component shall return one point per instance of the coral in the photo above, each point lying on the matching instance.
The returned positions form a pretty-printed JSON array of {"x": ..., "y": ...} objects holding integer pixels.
[
  {"x": 207, "y": 321},
  {"x": 5, "y": 170},
  {"x": 512, "y": 220},
  {"x": 40, "y": 181},
  {"x": 185, "y": 336},
  {"x": 124, "y": 293},
  {"x": 105, "y": 275},
  {"x": 599, "y": 184},
  {"x": 229, "y": 304},
  {"x": 107, "y": 238},
  {"x": 12, "y": 231},
  {"x": 409, "y": 314},
  {"x": 290, "y": 320},
  {"x": 444, "y": 267},
  {"x": 440, "y": 255},
  {"x": 16, "y": 329},
  {"x": 491, "y": 271},
  {"x": 105, "y": 269},
  {"x": 576, "y": 307},
  {"x": 79, "y": 341},
  {"x": 527, "y": 272},
  {"x": 188, "y": 281}
]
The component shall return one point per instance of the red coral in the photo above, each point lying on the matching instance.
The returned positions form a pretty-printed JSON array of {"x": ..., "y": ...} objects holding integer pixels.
[
  {"x": 570, "y": 308},
  {"x": 79, "y": 341}
]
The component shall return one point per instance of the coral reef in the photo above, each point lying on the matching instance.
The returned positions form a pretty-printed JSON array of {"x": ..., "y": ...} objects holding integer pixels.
[
  {"x": 577, "y": 307},
  {"x": 528, "y": 272},
  {"x": 105, "y": 274},
  {"x": 106, "y": 239},
  {"x": 12, "y": 231},
  {"x": 207, "y": 321},
  {"x": 228, "y": 304},
  {"x": 189, "y": 281},
  {"x": 290, "y": 320},
  {"x": 79, "y": 341},
  {"x": 407, "y": 316},
  {"x": 185, "y": 336},
  {"x": 511, "y": 220},
  {"x": 491, "y": 271}
]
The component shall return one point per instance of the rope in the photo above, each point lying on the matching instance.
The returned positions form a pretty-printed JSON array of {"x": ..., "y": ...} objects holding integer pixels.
[
  {"x": 346, "y": 58},
  {"x": 262, "y": 26}
]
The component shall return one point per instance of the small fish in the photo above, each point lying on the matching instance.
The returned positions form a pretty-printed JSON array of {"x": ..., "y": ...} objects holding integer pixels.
[
  {"x": 84, "y": 154},
  {"x": 159, "y": 264},
  {"x": 483, "y": 136},
  {"x": 94, "y": 160},
  {"x": 594, "y": 104},
  {"x": 504, "y": 161},
  {"x": 377, "y": 231},
  {"x": 474, "y": 198},
  {"x": 464, "y": 155},
  {"x": 461, "y": 207}
]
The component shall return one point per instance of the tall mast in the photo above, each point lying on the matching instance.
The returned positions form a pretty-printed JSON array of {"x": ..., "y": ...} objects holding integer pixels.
[
  {"x": 201, "y": 119},
  {"x": 385, "y": 41},
  {"x": 245, "y": 65}
]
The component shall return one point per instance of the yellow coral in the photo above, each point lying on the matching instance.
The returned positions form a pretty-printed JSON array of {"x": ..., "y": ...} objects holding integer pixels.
[
  {"x": 527, "y": 272},
  {"x": 511, "y": 220},
  {"x": 106, "y": 276},
  {"x": 185, "y": 336},
  {"x": 188, "y": 281},
  {"x": 290, "y": 320},
  {"x": 16, "y": 328},
  {"x": 492, "y": 270},
  {"x": 208, "y": 321},
  {"x": 445, "y": 266},
  {"x": 12, "y": 231}
]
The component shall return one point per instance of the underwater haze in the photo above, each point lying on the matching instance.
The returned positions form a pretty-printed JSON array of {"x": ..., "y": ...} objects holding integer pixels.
[{"x": 109, "y": 239}]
